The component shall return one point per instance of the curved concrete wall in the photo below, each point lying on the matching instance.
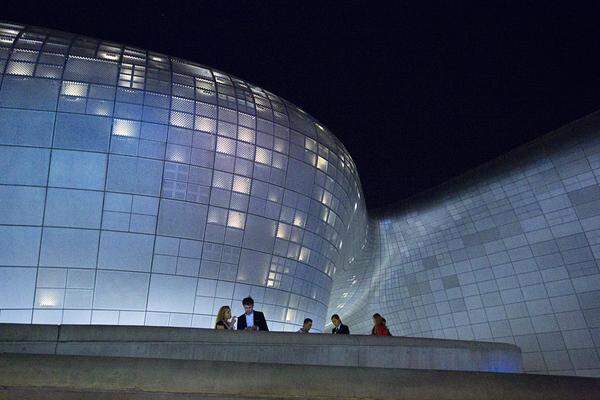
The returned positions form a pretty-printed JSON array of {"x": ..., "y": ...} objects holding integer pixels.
[
  {"x": 136, "y": 188},
  {"x": 100, "y": 378},
  {"x": 508, "y": 252},
  {"x": 280, "y": 347}
]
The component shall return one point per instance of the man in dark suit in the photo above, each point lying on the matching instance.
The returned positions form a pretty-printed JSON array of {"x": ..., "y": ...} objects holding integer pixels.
[
  {"x": 339, "y": 328},
  {"x": 250, "y": 319}
]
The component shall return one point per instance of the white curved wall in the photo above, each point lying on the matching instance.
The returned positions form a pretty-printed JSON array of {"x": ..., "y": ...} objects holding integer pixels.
[{"x": 508, "y": 252}]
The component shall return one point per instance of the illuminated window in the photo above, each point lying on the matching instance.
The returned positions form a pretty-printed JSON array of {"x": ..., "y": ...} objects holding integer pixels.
[
  {"x": 283, "y": 231},
  {"x": 236, "y": 219},
  {"x": 246, "y": 134},
  {"x": 226, "y": 146},
  {"x": 74, "y": 89},
  {"x": 263, "y": 156},
  {"x": 310, "y": 144},
  {"x": 304, "y": 254},
  {"x": 324, "y": 213},
  {"x": 322, "y": 163},
  {"x": 326, "y": 199},
  {"x": 123, "y": 127},
  {"x": 205, "y": 124},
  {"x": 20, "y": 68},
  {"x": 241, "y": 184},
  {"x": 299, "y": 219}
]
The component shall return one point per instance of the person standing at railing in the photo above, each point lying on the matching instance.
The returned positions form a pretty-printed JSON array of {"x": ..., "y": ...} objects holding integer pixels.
[
  {"x": 250, "y": 319},
  {"x": 224, "y": 319},
  {"x": 306, "y": 326},
  {"x": 379, "y": 327},
  {"x": 338, "y": 327}
]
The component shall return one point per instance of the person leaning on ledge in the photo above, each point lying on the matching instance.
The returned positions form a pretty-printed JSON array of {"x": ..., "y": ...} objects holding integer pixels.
[
  {"x": 339, "y": 328},
  {"x": 224, "y": 319},
  {"x": 306, "y": 326},
  {"x": 251, "y": 320}
]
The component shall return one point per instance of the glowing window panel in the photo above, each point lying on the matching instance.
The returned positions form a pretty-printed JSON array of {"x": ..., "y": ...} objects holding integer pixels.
[
  {"x": 290, "y": 315},
  {"x": 48, "y": 299},
  {"x": 205, "y": 124},
  {"x": 304, "y": 254},
  {"x": 299, "y": 219},
  {"x": 108, "y": 56},
  {"x": 283, "y": 231},
  {"x": 236, "y": 219},
  {"x": 326, "y": 200},
  {"x": 226, "y": 146},
  {"x": 127, "y": 128},
  {"x": 322, "y": 164},
  {"x": 20, "y": 68},
  {"x": 310, "y": 144},
  {"x": 241, "y": 184},
  {"x": 263, "y": 156},
  {"x": 246, "y": 135},
  {"x": 324, "y": 214}
]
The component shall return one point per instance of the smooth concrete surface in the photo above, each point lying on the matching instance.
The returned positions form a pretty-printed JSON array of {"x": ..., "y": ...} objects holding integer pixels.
[
  {"x": 263, "y": 347},
  {"x": 32, "y": 376}
]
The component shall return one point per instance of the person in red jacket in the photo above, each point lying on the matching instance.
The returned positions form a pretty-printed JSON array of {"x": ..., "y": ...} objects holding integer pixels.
[{"x": 379, "y": 328}]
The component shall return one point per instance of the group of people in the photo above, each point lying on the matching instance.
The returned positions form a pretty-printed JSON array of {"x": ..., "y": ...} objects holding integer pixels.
[{"x": 253, "y": 320}]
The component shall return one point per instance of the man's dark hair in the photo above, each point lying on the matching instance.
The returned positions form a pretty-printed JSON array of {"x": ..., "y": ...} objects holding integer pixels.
[
  {"x": 377, "y": 315},
  {"x": 307, "y": 320},
  {"x": 335, "y": 316},
  {"x": 248, "y": 301}
]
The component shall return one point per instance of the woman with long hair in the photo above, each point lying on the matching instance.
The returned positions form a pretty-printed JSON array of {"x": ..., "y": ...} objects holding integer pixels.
[
  {"x": 224, "y": 319},
  {"x": 379, "y": 328}
]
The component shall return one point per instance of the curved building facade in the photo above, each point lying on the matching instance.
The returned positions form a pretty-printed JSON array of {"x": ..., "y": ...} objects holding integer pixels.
[
  {"x": 139, "y": 189},
  {"x": 508, "y": 252}
]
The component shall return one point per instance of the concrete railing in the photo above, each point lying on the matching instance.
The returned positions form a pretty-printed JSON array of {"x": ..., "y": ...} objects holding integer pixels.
[
  {"x": 37, "y": 377},
  {"x": 260, "y": 347}
]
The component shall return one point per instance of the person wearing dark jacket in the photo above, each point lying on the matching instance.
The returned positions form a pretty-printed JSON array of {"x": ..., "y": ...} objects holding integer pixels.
[
  {"x": 250, "y": 319},
  {"x": 338, "y": 327}
]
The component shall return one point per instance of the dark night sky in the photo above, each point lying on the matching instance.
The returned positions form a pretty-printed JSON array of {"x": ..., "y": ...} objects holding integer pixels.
[{"x": 418, "y": 92}]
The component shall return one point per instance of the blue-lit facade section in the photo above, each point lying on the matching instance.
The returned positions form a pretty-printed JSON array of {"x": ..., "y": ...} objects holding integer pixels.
[{"x": 138, "y": 189}]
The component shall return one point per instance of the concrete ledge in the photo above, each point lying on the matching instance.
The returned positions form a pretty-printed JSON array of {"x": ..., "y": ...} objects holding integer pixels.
[
  {"x": 267, "y": 347},
  {"x": 27, "y": 376}
]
